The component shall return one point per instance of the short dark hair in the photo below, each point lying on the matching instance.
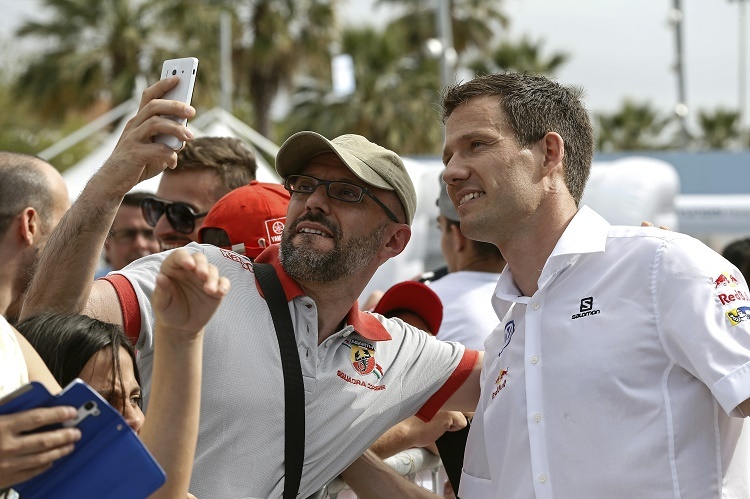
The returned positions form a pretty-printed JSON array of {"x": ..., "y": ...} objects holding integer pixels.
[
  {"x": 738, "y": 253},
  {"x": 535, "y": 105},
  {"x": 232, "y": 159},
  {"x": 22, "y": 184},
  {"x": 65, "y": 342},
  {"x": 135, "y": 198}
]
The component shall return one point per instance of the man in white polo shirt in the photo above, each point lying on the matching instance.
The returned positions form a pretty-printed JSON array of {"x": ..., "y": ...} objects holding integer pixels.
[
  {"x": 351, "y": 205},
  {"x": 621, "y": 365}
]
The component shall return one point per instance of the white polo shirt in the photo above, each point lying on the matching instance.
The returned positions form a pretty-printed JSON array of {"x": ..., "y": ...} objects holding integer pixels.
[
  {"x": 358, "y": 383},
  {"x": 13, "y": 372},
  {"x": 617, "y": 377},
  {"x": 468, "y": 317}
]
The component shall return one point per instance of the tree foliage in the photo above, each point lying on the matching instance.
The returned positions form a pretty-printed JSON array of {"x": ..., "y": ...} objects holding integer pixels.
[{"x": 634, "y": 127}]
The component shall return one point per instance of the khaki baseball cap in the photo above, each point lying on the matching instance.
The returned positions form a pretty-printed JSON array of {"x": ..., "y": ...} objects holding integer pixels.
[
  {"x": 373, "y": 164},
  {"x": 444, "y": 202}
]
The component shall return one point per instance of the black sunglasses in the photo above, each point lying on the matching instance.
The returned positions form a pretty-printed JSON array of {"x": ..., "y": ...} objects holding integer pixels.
[
  {"x": 179, "y": 215},
  {"x": 335, "y": 189}
]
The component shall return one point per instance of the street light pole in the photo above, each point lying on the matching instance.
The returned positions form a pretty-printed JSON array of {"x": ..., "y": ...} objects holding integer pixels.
[
  {"x": 681, "y": 108},
  {"x": 741, "y": 66},
  {"x": 445, "y": 35}
]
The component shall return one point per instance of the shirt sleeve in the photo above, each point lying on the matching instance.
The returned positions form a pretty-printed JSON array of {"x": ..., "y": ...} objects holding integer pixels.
[
  {"x": 702, "y": 306},
  {"x": 428, "y": 371}
]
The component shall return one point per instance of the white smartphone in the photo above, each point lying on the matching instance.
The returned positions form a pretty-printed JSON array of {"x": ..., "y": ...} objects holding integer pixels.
[{"x": 186, "y": 68}]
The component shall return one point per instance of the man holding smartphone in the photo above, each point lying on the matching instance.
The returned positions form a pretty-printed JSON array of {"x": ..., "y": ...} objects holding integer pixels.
[{"x": 352, "y": 203}]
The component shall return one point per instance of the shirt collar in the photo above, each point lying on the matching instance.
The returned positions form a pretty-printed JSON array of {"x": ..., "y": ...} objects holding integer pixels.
[
  {"x": 586, "y": 233},
  {"x": 364, "y": 324}
]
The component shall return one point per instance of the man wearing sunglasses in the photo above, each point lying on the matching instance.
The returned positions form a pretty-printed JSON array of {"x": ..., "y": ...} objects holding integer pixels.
[
  {"x": 130, "y": 237},
  {"x": 207, "y": 169},
  {"x": 352, "y": 203}
]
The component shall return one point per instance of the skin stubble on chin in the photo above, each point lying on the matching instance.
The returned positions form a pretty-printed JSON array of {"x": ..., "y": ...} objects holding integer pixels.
[{"x": 304, "y": 263}]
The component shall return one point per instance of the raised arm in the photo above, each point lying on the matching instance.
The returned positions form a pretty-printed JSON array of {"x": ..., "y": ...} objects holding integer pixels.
[
  {"x": 65, "y": 275},
  {"x": 188, "y": 291},
  {"x": 370, "y": 478}
]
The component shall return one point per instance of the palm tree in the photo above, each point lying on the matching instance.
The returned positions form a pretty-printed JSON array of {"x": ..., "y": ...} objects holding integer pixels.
[
  {"x": 474, "y": 22},
  {"x": 288, "y": 37},
  {"x": 93, "y": 53},
  {"x": 394, "y": 102},
  {"x": 524, "y": 55},
  {"x": 635, "y": 126},
  {"x": 719, "y": 128}
]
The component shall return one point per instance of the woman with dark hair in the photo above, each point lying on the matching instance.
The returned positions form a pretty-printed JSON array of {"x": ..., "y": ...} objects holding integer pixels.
[
  {"x": 77, "y": 346},
  {"x": 188, "y": 291}
]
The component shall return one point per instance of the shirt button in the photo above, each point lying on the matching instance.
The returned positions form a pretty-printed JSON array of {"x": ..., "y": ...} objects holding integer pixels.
[
  {"x": 542, "y": 478},
  {"x": 535, "y": 306},
  {"x": 534, "y": 359},
  {"x": 537, "y": 417},
  {"x": 328, "y": 343}
]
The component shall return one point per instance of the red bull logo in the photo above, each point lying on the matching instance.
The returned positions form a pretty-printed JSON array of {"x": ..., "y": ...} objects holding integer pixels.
[
  {"x": 725, "y": 279},
  {"x": 500, "y": 382},
  {"x": 726, "y": 298},
  {"x": 737, "y": 315}
]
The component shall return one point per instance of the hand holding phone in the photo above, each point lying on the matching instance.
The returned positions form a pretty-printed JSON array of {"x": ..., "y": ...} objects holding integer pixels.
[{"x": 186, "y": 69}]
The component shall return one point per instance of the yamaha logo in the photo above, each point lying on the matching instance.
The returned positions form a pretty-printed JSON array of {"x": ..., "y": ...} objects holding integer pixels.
[{"x": 586, "y": 309}]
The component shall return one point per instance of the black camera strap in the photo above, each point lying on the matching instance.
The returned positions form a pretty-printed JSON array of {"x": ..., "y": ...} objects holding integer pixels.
[{"x": 294, "y": 389}]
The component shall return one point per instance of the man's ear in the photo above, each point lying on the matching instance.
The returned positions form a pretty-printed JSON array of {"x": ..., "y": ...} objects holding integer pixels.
[
  {"x": 30, "y": 225},
  {"x": 397, "y": 242},
  {"x": 553, "y": 148}
]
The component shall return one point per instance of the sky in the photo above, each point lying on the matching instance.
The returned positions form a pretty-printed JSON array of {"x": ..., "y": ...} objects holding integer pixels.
[{"x": 618, "y": 48}]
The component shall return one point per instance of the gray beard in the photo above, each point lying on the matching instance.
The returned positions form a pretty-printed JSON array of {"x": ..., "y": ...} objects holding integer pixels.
[{"x": 305, "y": 264}]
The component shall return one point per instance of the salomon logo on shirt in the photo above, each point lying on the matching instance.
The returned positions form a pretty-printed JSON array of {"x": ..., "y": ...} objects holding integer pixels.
[{"x": 587, "y": 308}]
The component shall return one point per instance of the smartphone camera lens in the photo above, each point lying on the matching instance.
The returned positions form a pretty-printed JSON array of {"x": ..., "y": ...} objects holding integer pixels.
[
  {"x": 88, "y": 406},
  {"x": 174, "y": 72}
]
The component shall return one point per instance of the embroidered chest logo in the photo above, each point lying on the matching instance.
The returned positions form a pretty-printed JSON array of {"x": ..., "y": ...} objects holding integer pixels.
[
  {"x": 500, "y": 381},
  {"x": 586, "y": 308},
  {"x": 363, "y": 360},
  {"x": 739, "y": 314},
  {"x": 510, "y": 328},
  {"x": 725, "y": 279},
  {"x": 737, "y": 295},
  {"x": 363, "y": 357}
]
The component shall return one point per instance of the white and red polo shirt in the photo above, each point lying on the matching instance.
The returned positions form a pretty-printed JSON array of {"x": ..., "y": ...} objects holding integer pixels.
[{"x": 358, "y": 383}]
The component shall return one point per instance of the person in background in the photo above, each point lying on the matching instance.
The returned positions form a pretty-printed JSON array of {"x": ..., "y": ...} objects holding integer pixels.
[
  {"x": 77, "y": 346},
  {"x": 738, "y": 252},
  {"x": 130, "y": 237},
  {"x": 187, "y": 293},
  {"x": 473, "y": 270},
  {"x": 247, "y": 220},
  {"x": 33, "y": 198},
  {"x": 207, "y": 169}
]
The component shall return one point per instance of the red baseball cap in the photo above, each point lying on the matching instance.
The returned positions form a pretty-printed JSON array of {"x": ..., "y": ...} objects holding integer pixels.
[
  {"x": 414, "y": 297},
  {"x": 251, "y": 217}
]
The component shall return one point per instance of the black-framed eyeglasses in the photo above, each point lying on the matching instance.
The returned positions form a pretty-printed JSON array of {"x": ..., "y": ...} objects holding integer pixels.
[
  {"x": 127, "y": 236},
  {"x": 179, "y": 215},
  {"x": 335, "y": 189}
]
